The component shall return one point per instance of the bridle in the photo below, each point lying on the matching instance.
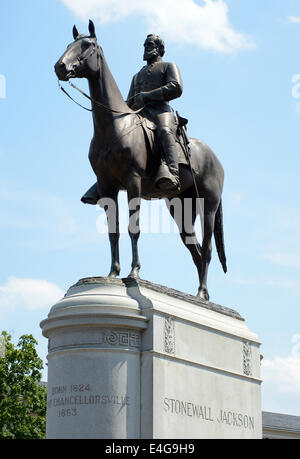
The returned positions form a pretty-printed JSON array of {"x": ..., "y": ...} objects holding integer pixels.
[{"x": 95, "y": 102}]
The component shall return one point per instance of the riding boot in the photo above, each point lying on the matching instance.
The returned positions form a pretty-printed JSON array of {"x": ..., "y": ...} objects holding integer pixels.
[{"x": 169, "y": 146}]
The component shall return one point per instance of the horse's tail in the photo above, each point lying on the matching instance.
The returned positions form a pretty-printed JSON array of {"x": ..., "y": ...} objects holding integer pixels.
[{"x": 219, "y": 237}]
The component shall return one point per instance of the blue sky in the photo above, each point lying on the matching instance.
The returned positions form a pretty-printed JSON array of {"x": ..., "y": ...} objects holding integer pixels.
[{"x": 237, "y": 60}]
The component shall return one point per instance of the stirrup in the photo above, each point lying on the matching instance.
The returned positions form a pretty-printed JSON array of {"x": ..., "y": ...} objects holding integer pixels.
[{"x": 165, "y": 180}]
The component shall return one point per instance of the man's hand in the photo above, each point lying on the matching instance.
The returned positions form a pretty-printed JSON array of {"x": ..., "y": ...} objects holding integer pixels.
[{"x": 141, "y": 98}]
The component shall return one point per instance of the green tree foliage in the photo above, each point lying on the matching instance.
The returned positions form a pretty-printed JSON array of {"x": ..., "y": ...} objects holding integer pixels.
[{"x": 22, "y": 399}]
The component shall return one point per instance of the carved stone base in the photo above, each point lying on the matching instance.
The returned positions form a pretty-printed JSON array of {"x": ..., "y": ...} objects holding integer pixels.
[{"x": 132, "y": 359}]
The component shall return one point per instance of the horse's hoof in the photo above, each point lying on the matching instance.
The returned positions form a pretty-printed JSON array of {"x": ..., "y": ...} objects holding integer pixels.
[
  {"x": 203, "y": 294},
  {"x": 114, "y": 270},
  {"x": 113, "y": 275},
  {"x": 134, "y": 274}
]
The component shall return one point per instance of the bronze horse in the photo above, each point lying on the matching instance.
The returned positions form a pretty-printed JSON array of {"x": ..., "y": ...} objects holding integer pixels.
[{"x": 121, "y": 157}]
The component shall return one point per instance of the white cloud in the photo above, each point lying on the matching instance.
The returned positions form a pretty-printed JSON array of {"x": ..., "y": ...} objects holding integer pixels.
[
  {"x": 293, "y": 19},
  {"x": 281, "y": 379},
  {"x": 28, "y": 294},
  {"x": 284, "y": 373},
  {"x": 178, "y": 21}
]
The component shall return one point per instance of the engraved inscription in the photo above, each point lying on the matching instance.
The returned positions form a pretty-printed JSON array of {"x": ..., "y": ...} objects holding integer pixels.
[
  {"x": 206, "y": 413},
  {"x": 187, "y": 409},
  {"x": 68, "y": 398},
  {"x": 59, "y": 390},
  {"x": 67, "y": 412},
  {"x": 234, "y": 419},
  {"x": 169, "y": 335},
  {"x": 247, "y": 358}
]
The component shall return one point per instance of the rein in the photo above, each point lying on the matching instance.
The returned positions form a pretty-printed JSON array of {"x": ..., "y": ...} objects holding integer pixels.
[
  {"x": 127, "y": 131},
  {"x": 70, "y": 97},
  {"x": 96, "y": 102}
]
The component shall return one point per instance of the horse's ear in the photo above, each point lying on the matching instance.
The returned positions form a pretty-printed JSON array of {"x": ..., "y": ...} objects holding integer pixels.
[
  {"x": 92, "y": 29},
  {"x": 75, "y": 32}
]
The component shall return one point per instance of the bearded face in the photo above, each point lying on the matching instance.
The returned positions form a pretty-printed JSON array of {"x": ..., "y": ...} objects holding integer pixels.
[{"x": 151, "y": 49}]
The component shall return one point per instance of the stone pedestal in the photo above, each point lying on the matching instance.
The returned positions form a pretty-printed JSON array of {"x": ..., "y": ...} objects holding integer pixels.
[{"x": 138, "y": 360}]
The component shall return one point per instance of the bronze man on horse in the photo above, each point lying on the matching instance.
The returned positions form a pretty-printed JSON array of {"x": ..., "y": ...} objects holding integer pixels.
[{"x": 121, "y": 153}]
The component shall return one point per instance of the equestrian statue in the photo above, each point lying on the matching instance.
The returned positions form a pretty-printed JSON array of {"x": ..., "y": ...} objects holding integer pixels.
[{"x": 141, "y": 146}]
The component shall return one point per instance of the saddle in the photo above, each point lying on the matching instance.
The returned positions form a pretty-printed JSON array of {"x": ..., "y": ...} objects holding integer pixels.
[{"x": 181, "y": 136}]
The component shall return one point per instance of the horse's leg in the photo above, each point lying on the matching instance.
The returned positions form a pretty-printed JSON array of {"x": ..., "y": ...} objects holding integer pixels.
[
  {"x": 110, "y": 205},
  {"x": 210, "y": 209},
  {"x": 134, "y": 202},
  {"x": 185, "y": 219}
]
